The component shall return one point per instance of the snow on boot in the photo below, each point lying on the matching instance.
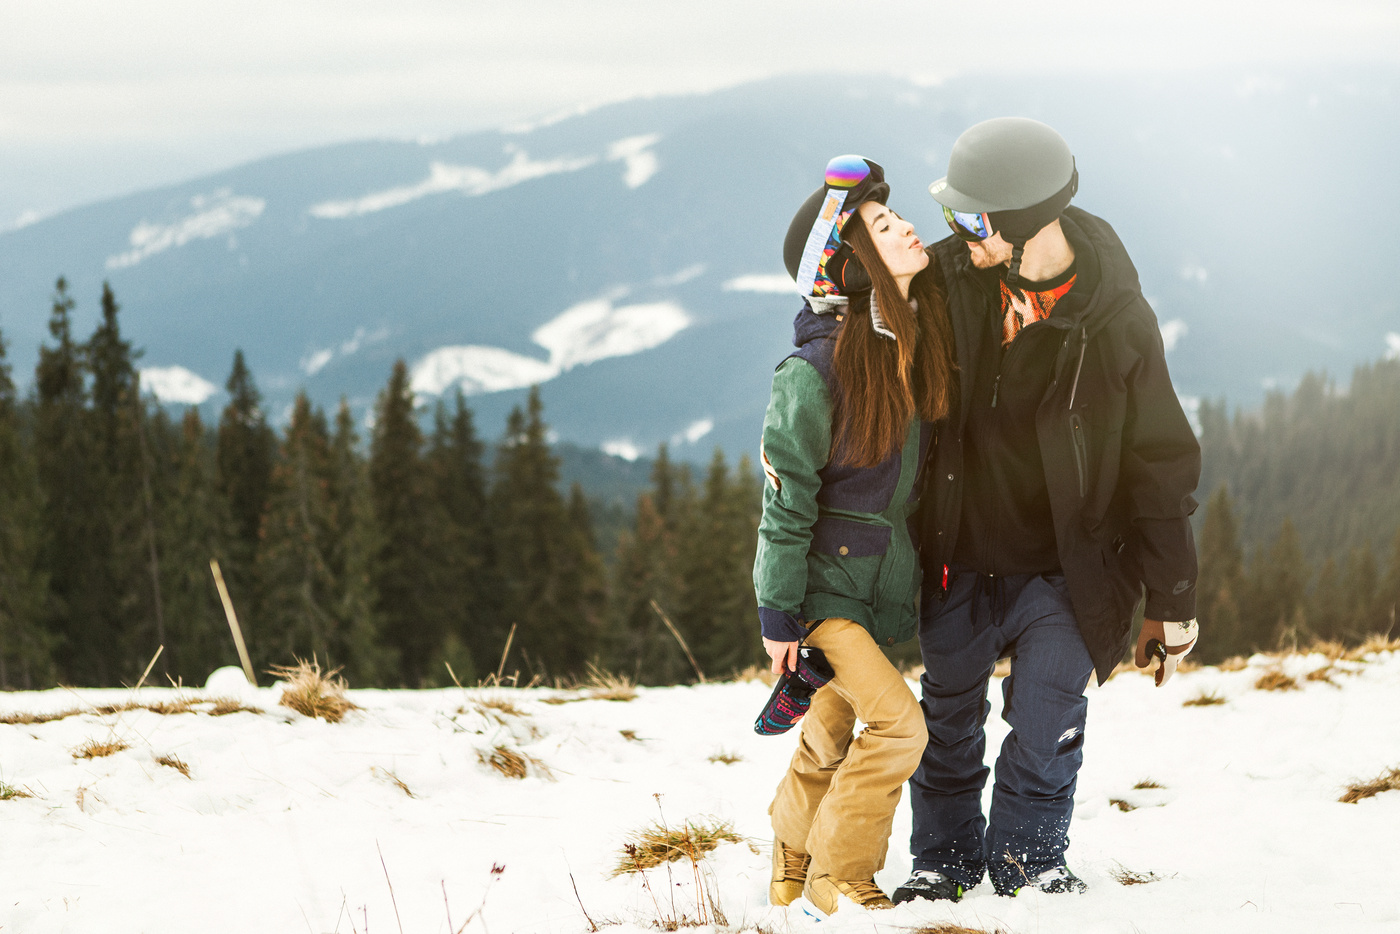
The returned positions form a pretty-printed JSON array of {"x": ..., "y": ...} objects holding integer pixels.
[
  {"x": 824, "y": 894},
  {"x": 1056, "y": 881},
  {"x": 925, "y": 883}
]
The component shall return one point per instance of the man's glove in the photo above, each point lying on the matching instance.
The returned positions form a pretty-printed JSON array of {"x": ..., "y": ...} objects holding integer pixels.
[{"x": 1169, "y": 643}]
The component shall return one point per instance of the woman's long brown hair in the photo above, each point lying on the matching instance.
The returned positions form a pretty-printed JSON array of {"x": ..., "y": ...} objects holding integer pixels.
[{"x": 882, "y": 383}]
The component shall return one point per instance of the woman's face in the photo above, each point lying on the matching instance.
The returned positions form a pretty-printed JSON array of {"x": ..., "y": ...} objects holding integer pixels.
[{"x": 895, "y": 240}]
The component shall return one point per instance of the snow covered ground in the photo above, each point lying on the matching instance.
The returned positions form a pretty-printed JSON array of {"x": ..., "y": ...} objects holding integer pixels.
[{"x": 388, "y": 821}]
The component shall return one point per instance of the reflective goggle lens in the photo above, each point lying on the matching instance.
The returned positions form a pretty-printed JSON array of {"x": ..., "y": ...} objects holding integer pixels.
[
  {"x": 971, "y": 227},
  {"x": 846, "y": 171}
]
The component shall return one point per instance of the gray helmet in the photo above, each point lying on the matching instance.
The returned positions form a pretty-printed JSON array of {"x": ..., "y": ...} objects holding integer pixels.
[{"x": 1018, "y": 171}]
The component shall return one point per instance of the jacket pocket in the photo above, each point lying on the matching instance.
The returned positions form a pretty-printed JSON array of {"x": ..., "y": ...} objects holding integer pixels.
[
  {"x": 846, "y": 538},
  {"x": 1081, "y": 453},
  {"x": 845, "y": 560}
]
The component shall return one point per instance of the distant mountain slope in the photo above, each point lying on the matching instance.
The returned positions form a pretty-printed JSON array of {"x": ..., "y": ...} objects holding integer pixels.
[{"x": 628, "y": 258}]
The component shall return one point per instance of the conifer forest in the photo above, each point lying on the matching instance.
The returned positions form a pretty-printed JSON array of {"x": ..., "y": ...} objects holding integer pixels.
[
  {"x": 412, "y": 554},
  {"x": 415, "y": 552}
]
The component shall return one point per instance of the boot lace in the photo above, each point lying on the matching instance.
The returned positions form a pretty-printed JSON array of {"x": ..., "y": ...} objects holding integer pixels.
[
  {"x": 795, "y": 864},
  {"x": 865, "y": 892}
]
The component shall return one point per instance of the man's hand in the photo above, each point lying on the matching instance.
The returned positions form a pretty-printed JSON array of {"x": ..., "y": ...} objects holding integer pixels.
[
  {"x": 1169, "y": 643},
  {"x": 783, "y": 654}
]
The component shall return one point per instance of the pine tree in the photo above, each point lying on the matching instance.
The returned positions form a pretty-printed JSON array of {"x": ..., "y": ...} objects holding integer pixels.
[
  {"x": 637, "y": 641},
  {"x": 714, "y": 592},
  {"x": 25, "y": 647},
  {"x": 125, "y": 585},
  {"x": 65, "y": 458},
  {"x": 245, "y": 452},
  {"x": 531, "y": 528},
  {"x": 1359, "y": 584},
  {"x": 354, "y": 548},
  {"x": 1221, "y": 580},
  {"x": 1278, "y": 581},
  {"x": 583, "y": 579},
  {"x": 1326, "y": 606},
  {"x": 193, "y": 528},
  {"x": 405, "y": 568},
  {"x": 1387, "y": 601},
  {"x": 461, "y": 545},
  {"x": 296, "y": 612}
]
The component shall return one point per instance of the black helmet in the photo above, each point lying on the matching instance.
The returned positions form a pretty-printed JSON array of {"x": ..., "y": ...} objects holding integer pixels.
[
  {"x": 813, "y": 251},
  {"x": 1018, "y": 171}
]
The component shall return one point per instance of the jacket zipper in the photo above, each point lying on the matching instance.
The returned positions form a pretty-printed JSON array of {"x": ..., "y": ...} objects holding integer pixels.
[{"x": 1076, "y": 425}]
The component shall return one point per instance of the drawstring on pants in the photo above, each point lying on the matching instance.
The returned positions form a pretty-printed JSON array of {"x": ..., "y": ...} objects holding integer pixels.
[{"x": 991, "y": 589}]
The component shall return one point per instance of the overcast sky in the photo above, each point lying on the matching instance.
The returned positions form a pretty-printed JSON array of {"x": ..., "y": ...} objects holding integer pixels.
[{"x": 103, "y": 96}]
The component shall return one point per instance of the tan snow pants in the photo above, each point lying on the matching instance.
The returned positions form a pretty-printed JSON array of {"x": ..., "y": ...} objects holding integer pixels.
[{"x": 838, "y": 797}]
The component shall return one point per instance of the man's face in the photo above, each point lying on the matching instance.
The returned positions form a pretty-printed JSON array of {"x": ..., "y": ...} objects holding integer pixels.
[{"x": 994, "y": 251}]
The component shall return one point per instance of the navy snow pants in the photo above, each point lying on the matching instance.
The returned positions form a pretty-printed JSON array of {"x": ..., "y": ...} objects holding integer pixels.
[{"x": 1029, "y": 619}]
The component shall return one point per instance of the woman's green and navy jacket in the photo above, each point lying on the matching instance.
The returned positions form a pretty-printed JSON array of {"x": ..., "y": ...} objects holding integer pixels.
[{"x": 835, "y": 540}]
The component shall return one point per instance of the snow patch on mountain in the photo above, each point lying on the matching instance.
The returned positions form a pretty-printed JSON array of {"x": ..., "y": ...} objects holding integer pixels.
[
  {"x": 777, "y": 284},
  {"x": 1392, "y": 343},
  {"x": 694, "y": 432},
  {"x": 316, "y": 361},
  {"x": 585, "y": 333},
  {"x": 595, "y": 330},
  {"x": 444, "y": 178},
  {"x": 176, "y": 384},
  {"x": 477, "y": 370},
  {"x": 639, "y": 162},
  {"x": 625, "y": 448},
  {"x": 212, "y": 216},
  {"x": 680, "y": 278}
]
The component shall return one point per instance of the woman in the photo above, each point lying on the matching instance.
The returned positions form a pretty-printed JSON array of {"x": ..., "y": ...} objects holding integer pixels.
[{"x": 843, "y": 439}]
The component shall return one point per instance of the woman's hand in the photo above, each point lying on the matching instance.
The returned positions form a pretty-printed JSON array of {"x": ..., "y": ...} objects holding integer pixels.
[{"x": 783, "y": 654}]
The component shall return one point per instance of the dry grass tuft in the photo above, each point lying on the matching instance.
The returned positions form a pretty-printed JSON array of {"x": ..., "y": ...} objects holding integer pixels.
[
  {"x": 512, "y": 763},
  {"x": 724, "y": 757},
  {"x": 97, "y": 748},
  {"x": 223, "y": 706},
  {"x": 1328, "y": 648},
  {"x": 1204, "y": 699},
  {"x": 556, "y": 700},
  {"x": 392, "y": 779},
  {"x": 948, "y": 927},
  {"x": 1125, "y": 876},
  {"x": 1234, "y": 663},
  {"x": 172, "y": 707},
  {"x": 1386, "y": 781},
  {"x": 1375, "y": 643},
  {"x": 1147, "y": 783},
  {"x": 174, "y": 762},
  {"x": 657, "y": 844},
  {"x": 10, "y": 791},
  {"x": 21, "y": 718},
  {"x": 313, "y": 693},
  {"x": 1323, "y": 674},
  {"x": 500, "y": 704},
  {"x": 602, "y": 685},
  {"x": 631, "y": 736},
  {"x": 1124, "y": 806},
  {"x": 1275, "y": 680}
]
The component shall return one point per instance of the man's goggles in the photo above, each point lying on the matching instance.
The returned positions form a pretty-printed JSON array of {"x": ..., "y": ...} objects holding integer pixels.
[{"x": 973, "y": 228}]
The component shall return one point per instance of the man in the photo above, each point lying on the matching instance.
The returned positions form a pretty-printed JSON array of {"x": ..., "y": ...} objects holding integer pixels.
[{"x": 1058, "y": 491}]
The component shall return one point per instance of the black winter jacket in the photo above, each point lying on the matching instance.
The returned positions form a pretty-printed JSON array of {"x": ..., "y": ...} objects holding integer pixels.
[{"x": 1120, "y": 459}]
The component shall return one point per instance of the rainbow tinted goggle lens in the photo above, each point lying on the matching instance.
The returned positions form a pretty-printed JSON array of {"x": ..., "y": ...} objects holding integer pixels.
[
  {"x": 974, "y": 228},
  {"x": 846, "y": 171}
]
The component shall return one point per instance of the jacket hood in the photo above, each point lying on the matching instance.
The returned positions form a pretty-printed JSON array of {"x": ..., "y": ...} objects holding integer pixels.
[
  {"x": 809, "y": 326},
  {"x": 1118, "y": 285}
]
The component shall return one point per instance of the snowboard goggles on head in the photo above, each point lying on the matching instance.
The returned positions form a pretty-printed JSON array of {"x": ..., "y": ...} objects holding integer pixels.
[{"x": 973, "y": 228}]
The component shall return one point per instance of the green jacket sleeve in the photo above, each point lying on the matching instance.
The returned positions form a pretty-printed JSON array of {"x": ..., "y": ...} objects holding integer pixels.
[{"x": 796, "y": 444}]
